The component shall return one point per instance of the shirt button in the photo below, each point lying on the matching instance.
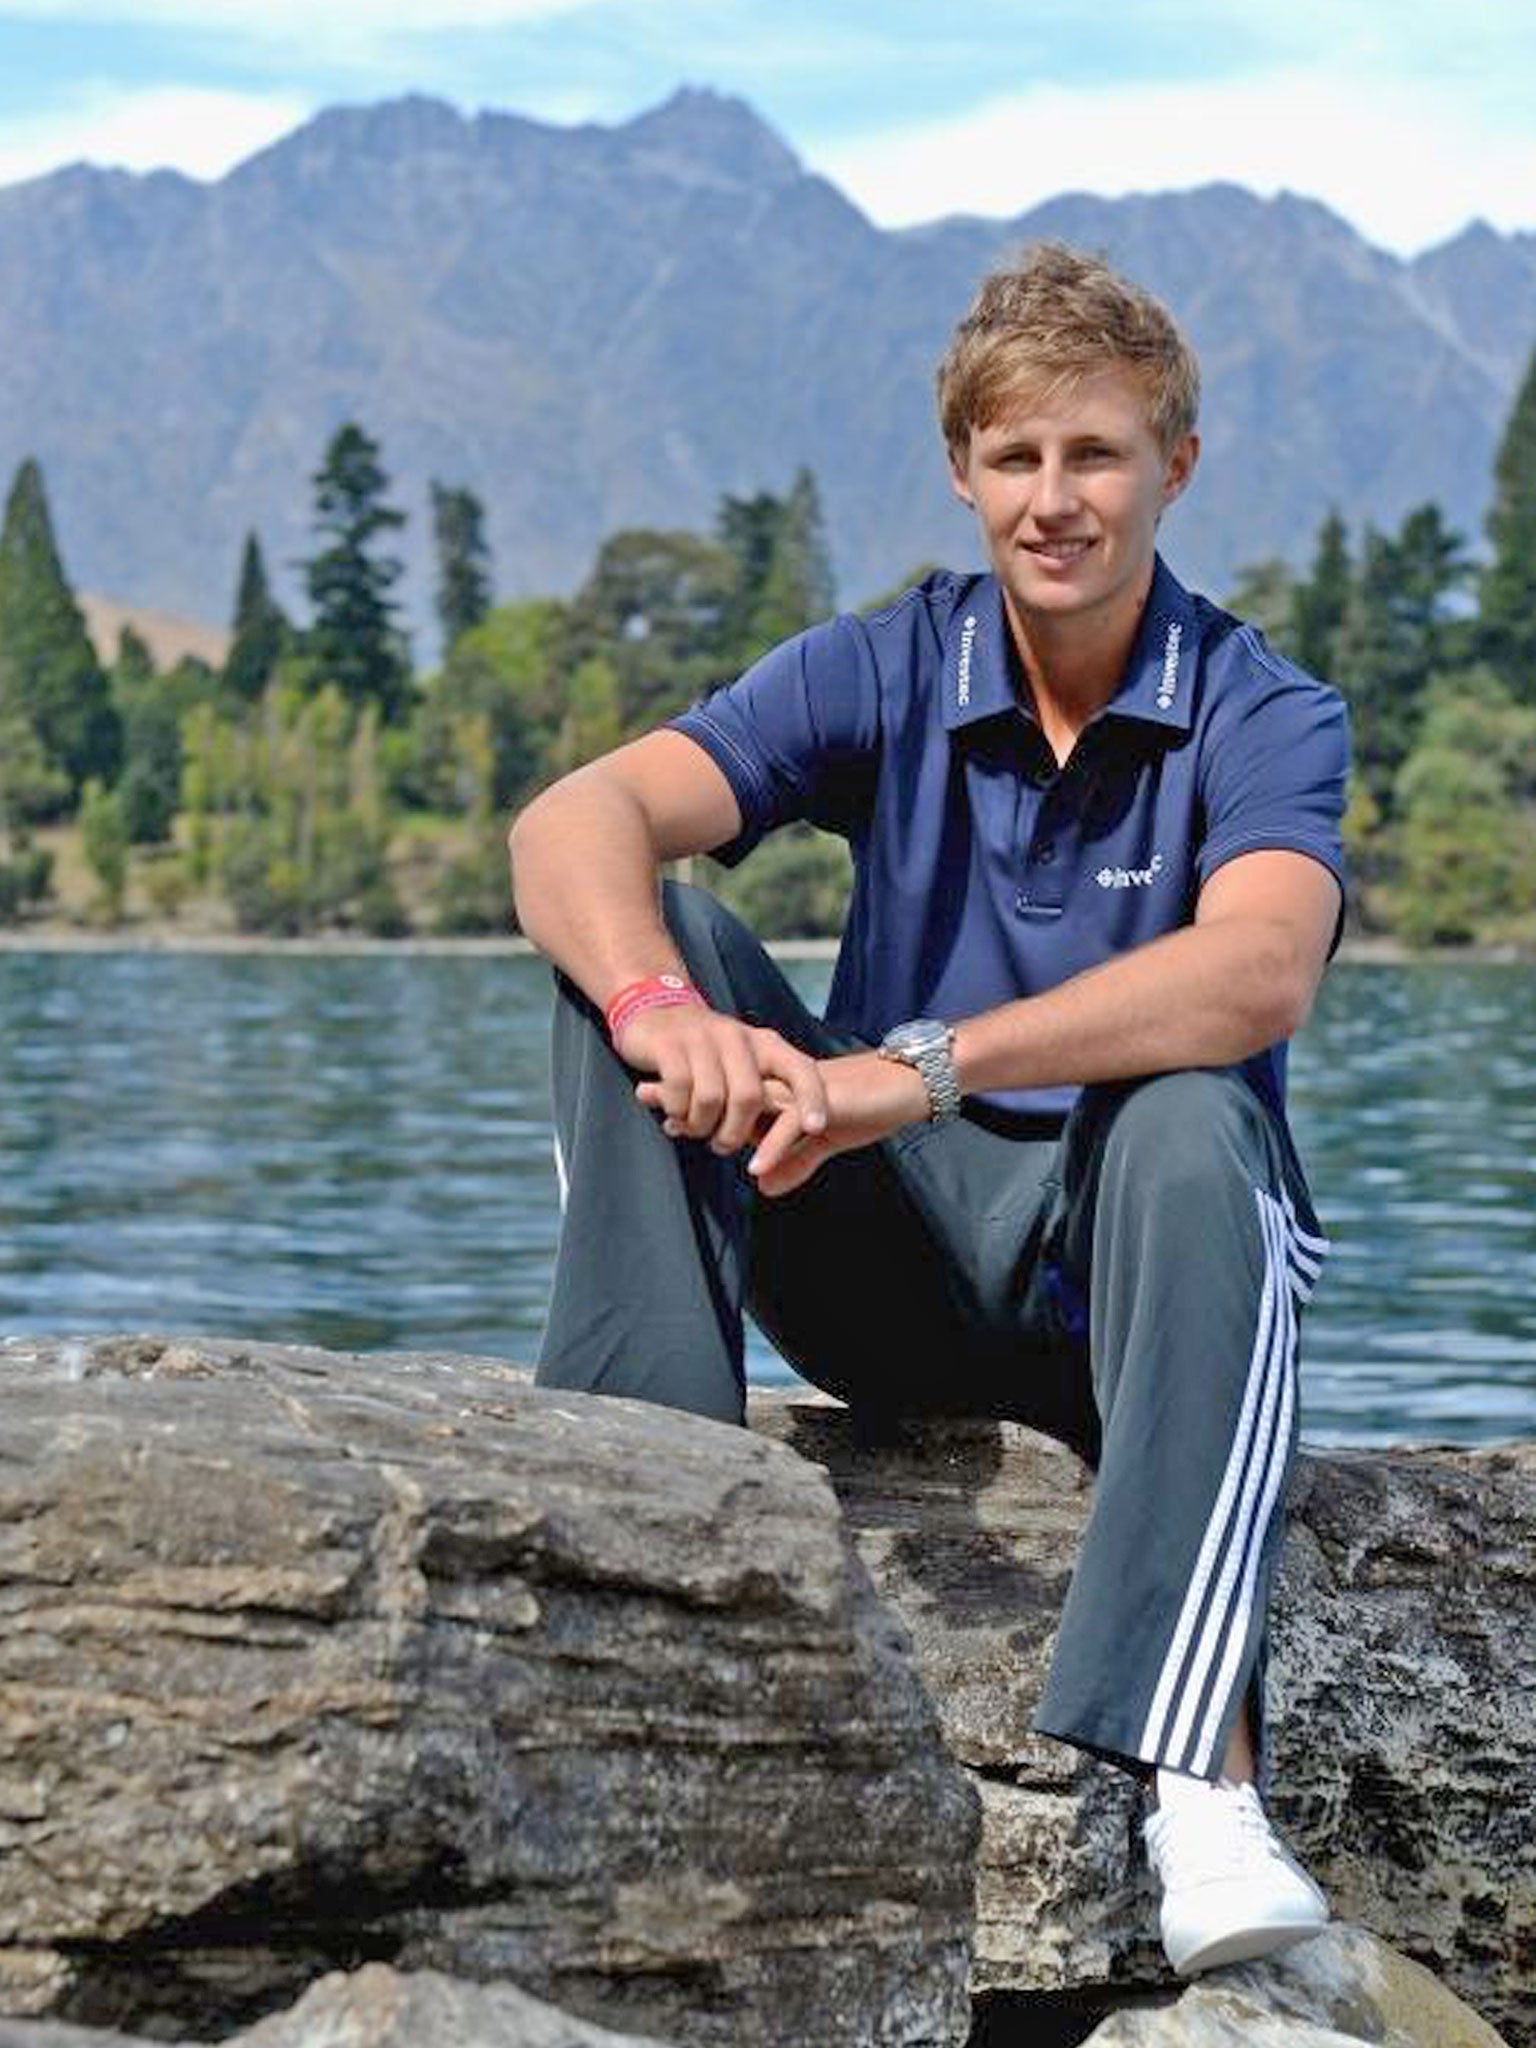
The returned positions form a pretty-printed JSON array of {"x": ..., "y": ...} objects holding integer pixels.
[{"x": 1021, "y": 903}]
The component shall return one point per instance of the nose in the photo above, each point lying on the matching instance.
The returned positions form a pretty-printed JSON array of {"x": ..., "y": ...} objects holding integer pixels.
[{"x": 1055, "y": 493}]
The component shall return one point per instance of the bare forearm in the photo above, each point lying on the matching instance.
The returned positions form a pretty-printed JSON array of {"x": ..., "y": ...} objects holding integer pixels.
[
  {"x": 1205, "y": 996},
  {"x": 584, "y": 882}
]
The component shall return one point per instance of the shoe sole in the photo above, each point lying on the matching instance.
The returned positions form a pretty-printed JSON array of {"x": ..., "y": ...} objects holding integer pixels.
[{"x": 1249, "y": 1945}]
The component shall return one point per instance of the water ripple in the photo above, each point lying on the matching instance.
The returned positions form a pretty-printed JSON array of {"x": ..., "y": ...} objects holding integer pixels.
[{"x": 355, "y": 1151}]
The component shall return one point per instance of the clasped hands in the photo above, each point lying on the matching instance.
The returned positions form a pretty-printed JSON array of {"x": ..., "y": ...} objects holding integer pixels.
[{"x": 737, "y": 1085}]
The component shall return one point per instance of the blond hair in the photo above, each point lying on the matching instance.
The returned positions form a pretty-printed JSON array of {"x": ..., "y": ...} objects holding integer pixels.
[{"x": 1040, "y": 327}]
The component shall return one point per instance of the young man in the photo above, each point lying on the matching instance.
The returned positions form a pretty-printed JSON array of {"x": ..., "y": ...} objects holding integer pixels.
[{"x": 1035, "y": 1161}]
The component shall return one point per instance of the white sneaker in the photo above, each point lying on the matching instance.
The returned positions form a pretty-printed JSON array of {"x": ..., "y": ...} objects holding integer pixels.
[{"x": 1231, "y": 1890}]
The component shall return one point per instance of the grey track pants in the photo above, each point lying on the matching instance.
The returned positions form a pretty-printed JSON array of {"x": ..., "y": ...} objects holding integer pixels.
[{"x": 1132, "y": 1288}]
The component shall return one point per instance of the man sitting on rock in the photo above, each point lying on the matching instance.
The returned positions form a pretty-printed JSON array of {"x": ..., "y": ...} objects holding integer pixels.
[{"x": 1035, "y": 1161}]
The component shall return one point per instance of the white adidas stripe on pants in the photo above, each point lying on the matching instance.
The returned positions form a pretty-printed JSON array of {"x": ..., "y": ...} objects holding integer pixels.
[{"x": 1214, "y": 1619}]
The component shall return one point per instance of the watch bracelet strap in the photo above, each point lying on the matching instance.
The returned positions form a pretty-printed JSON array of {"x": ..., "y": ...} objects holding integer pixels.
[{"x": 937, "y": 1067}]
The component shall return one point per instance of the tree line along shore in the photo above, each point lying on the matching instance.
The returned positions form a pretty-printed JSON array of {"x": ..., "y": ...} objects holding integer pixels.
[{"x": 315, "y": 782}]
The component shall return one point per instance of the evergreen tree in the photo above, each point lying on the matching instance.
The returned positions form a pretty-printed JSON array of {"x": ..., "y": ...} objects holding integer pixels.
[
  {"x": 463, "y": 561},
  {"x": 1265, "y": 593},
  {"x": 259, "y": 632},
  {"x": 1507, "y": 594},
  {"x": 783, "y": 570},
  {"x": 134, "y": 668},
  {"x": 1431, "y": 566},
  {"x": 797, "y": 590},
  {"x": 1321, "y": 600},
  {"x": 354, "y": 642},
  {"x": 748, "y": 529},
  {"x": 49, "y": 674},
  {"x": 1393, "y": 637},
  {"x": 149, "y": 786}
]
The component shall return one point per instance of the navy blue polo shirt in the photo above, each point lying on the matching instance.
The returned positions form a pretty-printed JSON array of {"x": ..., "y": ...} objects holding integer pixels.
[{"x": 982, "y": 870}]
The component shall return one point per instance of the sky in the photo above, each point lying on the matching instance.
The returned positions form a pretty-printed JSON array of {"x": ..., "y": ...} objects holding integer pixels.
[{"x": 1409, "y": 119}]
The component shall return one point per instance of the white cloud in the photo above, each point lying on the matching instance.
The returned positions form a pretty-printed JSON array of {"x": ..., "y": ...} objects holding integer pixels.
[
  {"x": 332, "y": 20},
  {"x": 199, "y": 130},
  {"x": 1406, "y": 164}
]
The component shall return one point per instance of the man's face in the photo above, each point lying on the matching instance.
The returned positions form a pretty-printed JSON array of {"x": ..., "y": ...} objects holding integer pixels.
[{"x": 1068, "y": 492}]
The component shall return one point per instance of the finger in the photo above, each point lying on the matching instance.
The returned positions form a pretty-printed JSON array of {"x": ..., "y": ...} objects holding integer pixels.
[
  {"x": 745, "y": 1096},
  {"x": 781, "y": 1174},
  {"x": 803, "y": 1077},
  {"x": 698, "y": 1116},
  {"x": 776, "y": 1144},
  {"x": 689, "y": 1089}
]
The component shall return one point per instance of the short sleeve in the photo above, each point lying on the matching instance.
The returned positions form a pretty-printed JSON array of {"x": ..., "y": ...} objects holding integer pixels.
[
  {"x": 1276, "y": 765},
  {"x": 797, "y": 735}
]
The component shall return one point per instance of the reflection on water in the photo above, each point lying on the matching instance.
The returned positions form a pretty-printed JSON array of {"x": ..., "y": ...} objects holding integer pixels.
[
  {"x": 354, "y": 1151},
  {"x": 1414, "y": 1100}
]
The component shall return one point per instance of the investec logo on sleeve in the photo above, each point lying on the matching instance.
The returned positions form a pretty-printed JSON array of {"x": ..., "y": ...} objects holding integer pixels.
[{"x": 963, "y": 672}]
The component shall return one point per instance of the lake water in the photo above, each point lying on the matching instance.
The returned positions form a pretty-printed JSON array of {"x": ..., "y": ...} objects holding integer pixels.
[{"x": 353, "y": 1150}]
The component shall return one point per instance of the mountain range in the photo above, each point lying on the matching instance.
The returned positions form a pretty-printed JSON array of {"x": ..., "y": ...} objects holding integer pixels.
[{"x": 596, "y": 327}]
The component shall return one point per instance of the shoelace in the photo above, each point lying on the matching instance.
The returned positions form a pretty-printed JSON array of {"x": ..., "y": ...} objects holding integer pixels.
[{"x": 1225, "y": 1835}]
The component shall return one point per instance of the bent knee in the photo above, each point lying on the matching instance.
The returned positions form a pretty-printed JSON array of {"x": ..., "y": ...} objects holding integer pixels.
[{"x": 1184, "y": 1128}]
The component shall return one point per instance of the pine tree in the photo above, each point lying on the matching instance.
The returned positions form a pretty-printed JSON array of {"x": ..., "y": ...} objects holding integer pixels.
[
  {"x": 783, "y": 571},
  {"x": 49, "y": 674},
  {"x": 354, "y": 641},
  {"x": 1507, "y": 591},
  {"x": 463, "y": 561},
  {"x": 748, "y": 529},
  {"x": 259, "y": 632},
  {"x": 1394, "y": 635},
  {"x": 1431, "y": 565},
  {"x": 1265, "y": 594},
  {"x": 1319, "y": 603},
  {"x": 797, "y": 590}
]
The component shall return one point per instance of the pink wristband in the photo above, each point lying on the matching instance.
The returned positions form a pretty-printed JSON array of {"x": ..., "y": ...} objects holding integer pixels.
[{"x": 656, "y": 992}]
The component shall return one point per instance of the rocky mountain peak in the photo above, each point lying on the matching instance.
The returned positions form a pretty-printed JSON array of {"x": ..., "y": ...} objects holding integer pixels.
[{"x": 711, "y": 137}]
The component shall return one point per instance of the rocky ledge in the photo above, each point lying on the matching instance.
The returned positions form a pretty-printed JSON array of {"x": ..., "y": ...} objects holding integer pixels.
[{"x": 384, "y": 1699}]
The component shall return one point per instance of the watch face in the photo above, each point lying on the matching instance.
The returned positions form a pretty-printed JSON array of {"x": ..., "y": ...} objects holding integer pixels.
[{"x": 917, "y": 1036}]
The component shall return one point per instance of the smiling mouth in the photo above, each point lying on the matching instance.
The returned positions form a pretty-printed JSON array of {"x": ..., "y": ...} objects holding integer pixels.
[{"x": 1058, "y": 550}]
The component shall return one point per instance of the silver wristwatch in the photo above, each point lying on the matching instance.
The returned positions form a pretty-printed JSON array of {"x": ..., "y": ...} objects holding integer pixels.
[{"x": 929, "y": 1046}]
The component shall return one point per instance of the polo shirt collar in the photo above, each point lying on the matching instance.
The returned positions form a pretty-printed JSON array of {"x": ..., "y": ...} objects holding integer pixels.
[
  {"x": 978, "y": 658},
  {"x": 1158, "y": 685}
]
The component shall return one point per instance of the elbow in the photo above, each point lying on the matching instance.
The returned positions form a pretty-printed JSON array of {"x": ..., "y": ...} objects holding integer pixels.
[
  {"x": 1284, "y": 985},
  {"x": 524, "y": 834}
]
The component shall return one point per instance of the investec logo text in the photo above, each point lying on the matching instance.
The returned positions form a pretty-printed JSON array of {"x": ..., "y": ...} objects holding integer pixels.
[
  {"x": 1131, "y": 878},
  {"x": 1168, "y": 682},
  {"x": 963, "y": 674}
]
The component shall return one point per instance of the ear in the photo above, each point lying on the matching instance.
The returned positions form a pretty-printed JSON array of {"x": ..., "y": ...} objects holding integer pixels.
[
  {"x": 958, "y": 482},
  {"x": 1180, "y": 467}
]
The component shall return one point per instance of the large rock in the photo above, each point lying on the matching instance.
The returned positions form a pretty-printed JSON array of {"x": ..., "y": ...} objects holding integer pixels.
[
  {"x": 1403, "y": 1691},
  {"x": 308, "y": 1660},
  {"x": 1342, "y": 1987},
  {"x": 377, "y": 2007}
]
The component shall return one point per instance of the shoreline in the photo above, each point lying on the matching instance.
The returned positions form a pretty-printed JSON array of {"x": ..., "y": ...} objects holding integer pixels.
[{"x": 1363, "y": 950}]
